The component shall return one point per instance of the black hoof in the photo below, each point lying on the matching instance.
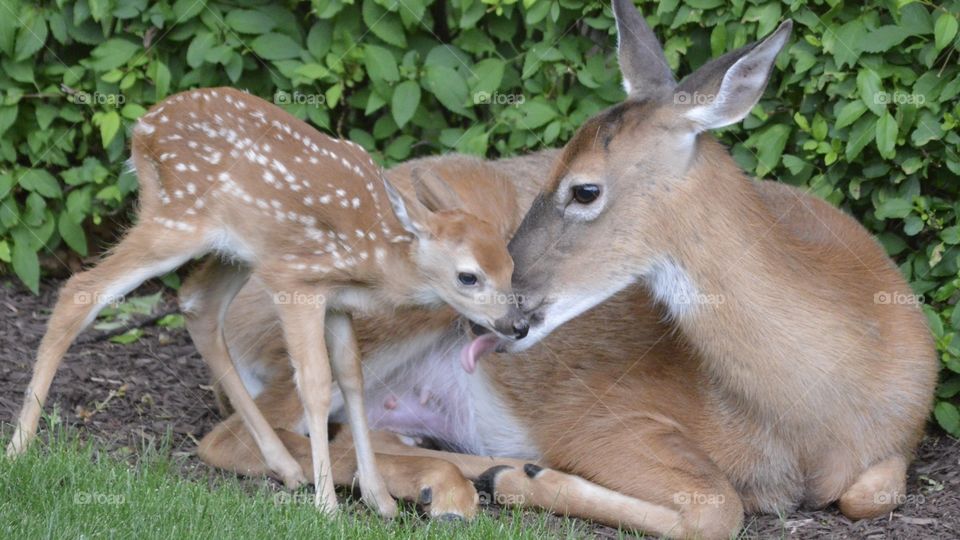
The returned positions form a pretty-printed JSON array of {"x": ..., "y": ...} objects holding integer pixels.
[
  {"x": 532, "y": 470},
  {"x": 426, "y": 496},
  {"x": 486, "y": 483}
]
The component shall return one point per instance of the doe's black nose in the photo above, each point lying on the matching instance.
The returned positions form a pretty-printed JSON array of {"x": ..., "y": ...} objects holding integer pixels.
[{"x": 521, "y": 328}]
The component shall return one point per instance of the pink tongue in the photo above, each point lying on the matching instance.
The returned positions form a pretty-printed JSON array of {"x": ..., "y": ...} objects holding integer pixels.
[{"x": 476, "y": 349}]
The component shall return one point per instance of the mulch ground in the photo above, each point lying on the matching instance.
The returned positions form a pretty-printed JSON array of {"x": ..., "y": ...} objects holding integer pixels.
[{"x": 129, "y": 396}]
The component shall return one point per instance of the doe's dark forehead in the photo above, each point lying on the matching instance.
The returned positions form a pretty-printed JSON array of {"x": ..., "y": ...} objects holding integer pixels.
[{"x": 596, "y": 133}]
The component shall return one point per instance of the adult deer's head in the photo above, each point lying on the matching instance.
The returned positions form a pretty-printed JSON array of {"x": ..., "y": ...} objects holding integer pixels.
[{"x": 620, "y": 193}]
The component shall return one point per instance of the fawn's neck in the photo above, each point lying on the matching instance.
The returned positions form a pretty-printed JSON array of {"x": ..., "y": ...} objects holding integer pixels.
[{"x": 401, "y": 279}]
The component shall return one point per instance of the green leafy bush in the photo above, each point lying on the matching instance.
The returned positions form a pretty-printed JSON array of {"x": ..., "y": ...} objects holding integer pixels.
[{"x": 863, "y": 108}]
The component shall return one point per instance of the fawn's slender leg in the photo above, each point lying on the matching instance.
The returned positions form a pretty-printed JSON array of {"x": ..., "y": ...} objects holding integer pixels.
[
  {"x": 206, "y": 297},
  {"x": 146, "y": 251},
  {"x": 345, "y": 359},
  {"x": 303, "y": 325}
]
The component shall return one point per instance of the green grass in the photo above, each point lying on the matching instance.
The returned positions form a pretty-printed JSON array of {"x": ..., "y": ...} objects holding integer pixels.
[{"x": 64, "y": 488}]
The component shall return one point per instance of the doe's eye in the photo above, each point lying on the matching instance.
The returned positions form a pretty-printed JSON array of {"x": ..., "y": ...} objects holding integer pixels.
[
  {"x": 585, "y": 193},
  {"x": 466, "y": 278}
]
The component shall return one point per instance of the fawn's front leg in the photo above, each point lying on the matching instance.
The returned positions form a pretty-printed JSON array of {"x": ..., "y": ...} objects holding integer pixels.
[
  {"x": 303, "y": 324},
  {"x": 345, "y": 359}
]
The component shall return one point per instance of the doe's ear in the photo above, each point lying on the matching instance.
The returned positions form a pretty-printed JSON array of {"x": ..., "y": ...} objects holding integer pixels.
[
  {"x": 433, "y": 192},
  {"x": 723, "y": 91},
  {"x": 410, "y": 214},
  {"x": 645, "y": 71}
]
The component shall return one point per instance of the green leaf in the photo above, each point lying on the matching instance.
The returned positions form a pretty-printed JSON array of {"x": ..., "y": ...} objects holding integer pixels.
[
  {"x": 109, "y": 126},
  {"x": 536, "y": 113},
  {"x": 403, "y": 103},
  {"x": 862, "y": 134},
  {"x": 842, "y": 43},
  {"x": 319, "y": 39},
  {"x": 770, "y": 147},
  {"x": 187, "y": 9},
  {"x": 945, "y": 30},
  {"x": 850, "y": 113},
  {"x": 887, "y": 136},
  {"x": 112, "y": 54},
  {"x": 312, "y": 71},
  {"x": 128, "y": 337},
  {"x": 869, "y": 86},
  {"x": 274, "y": 46},
  {"x": 6, "y": 184},
  {"x": 248, "y": 21},
  {"x": 487, "y": 75},
  {"x": 42, "y": 182},
  {"x": 72, "y": 234},
  {"x": 893, "y": 208},
  {"x": 31, "y": 36},
  {"x": 883, "y": 39},
  {"x": 161, "y": 80},
  {"x": 951, "y": 235},
  {"x": 198, "y": 48},
  {"x": 380, "y": 63},
  {"x": 26, "y": 264},
  {"x": 384, "y": 24},
  {"x": 448, "y": 86},
  {"x": 947, "y": 416}
]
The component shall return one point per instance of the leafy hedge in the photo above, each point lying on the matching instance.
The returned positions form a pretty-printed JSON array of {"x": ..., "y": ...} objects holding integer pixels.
[{"x": 863, "y": 108}]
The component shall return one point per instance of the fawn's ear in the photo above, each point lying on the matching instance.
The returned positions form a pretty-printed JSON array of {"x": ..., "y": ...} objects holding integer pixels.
[
  {"x": 410, "y": 214},
  {"x": 723, "y": 91},
  {"x": 433, "y": 192}
]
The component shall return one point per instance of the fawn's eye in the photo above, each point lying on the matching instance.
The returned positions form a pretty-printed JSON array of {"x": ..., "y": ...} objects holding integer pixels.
[
  {"x": 466, "y": 278},
  {"x": 585, "y": 193}
]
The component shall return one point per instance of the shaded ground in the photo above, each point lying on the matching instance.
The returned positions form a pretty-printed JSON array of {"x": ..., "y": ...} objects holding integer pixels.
[{"x": 126, "y": 396}]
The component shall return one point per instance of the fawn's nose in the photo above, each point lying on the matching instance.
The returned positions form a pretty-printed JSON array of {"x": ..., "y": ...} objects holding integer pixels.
[{"x": 521, "y": 328}]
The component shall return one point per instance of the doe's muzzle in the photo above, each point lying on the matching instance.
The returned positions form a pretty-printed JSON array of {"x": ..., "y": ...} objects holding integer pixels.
[{"x": 514, "y": 324}]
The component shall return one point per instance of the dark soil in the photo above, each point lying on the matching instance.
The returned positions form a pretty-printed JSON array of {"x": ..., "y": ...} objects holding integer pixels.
[{"x": 129, "y": 396}]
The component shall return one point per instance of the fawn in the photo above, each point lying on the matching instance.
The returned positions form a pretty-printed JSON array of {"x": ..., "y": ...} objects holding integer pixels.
[{"x": 315, "y": 220}]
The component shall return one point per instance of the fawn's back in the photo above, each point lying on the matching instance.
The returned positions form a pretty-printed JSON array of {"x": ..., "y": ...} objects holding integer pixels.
[{"x": 261, "y": 185}]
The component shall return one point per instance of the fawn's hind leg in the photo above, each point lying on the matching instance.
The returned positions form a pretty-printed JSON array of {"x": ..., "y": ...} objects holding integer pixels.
[
  {"x": 345, "y": 360},
  {"x": 147, "y": 251},
  {"x": 877, "y": 490},
  {"x": 205, "y": 299}
]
